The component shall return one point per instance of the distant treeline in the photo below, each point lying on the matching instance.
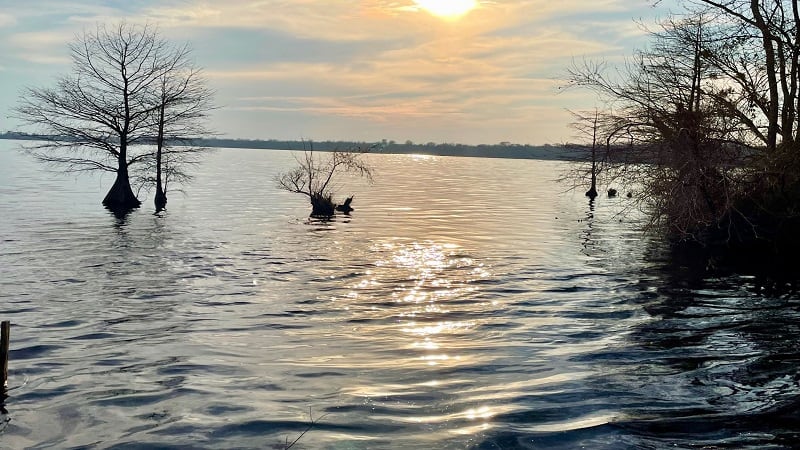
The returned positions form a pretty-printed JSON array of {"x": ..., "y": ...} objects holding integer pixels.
[
  {"x": 22, "y": 136},
  {"x": 501, "y": 150}
]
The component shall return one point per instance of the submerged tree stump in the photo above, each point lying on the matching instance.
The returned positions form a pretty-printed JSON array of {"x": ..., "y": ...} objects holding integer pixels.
[
  {"x": 322, "y": 206},
  {"x": 345, "y": 207}
]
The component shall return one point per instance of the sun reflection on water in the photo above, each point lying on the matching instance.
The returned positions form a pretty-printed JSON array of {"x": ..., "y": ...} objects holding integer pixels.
[{"x": 421, "y": 302}]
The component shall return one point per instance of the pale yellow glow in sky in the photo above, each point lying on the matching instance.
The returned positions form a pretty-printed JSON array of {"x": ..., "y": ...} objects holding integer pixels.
[
  {"x": 448, "y": 9},
  {"x": 458, "y": 71}
]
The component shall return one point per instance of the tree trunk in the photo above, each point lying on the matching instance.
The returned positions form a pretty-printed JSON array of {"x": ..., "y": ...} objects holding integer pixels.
[
  {"x": 592, "y": 192},
  {"x": 161, "y": 199},
  {"x": 120, "y": 197},
  {"x": 773, "y": 118},
  {"x": 795, "y": 70},
  {"x": 161, "y": 195}
]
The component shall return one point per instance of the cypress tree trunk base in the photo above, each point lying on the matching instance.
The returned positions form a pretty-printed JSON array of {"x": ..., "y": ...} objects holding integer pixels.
[
  {"x": 592, "y": 192},
  {"x": 120, "y": 197},
  {"x": 160, "y": 200}
]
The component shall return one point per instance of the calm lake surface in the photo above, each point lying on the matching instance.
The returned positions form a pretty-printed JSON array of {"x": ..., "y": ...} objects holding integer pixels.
[{"x": 466, "y": 303}]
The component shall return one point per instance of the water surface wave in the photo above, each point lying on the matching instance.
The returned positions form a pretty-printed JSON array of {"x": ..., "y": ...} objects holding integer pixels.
[{"x": 466, "y": 303}]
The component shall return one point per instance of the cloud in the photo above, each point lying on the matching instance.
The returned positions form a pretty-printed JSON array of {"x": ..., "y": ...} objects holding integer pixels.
[
  {"x": 365, "y": 20},
  {"x": 41, "y": 47},
  {"x": 40, "y": 31},
  {"x": 58, "y": 13},
  {"x": 7, "y": 20},
  {"x": 373, "y": 64},
  {"x": 467, "y": 75}
]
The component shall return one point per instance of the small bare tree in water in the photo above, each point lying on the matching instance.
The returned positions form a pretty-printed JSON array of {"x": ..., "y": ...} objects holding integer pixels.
[
  {"x": 182, "y": 104},
  {"x": 588, "y": 125},
  {"x": 316, "y": 176}
]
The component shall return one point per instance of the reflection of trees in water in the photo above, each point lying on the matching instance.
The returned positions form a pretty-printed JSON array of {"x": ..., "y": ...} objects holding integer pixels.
[
  {"x": 587, "y": 234},
  {"x": 611, "y": 235},
  {"x": 714, "y": 362},
  {"x": 718, "y": 364}
]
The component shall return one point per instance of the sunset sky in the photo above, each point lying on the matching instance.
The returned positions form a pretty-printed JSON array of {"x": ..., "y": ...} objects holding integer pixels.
[{"x": 423, "y": 70}]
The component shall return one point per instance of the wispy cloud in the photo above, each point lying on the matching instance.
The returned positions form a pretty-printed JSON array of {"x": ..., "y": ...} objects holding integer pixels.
[
  {"x": 7, "y": 20},
  {"x": 41, "y": 47},
  {"x": 284, "y": 67}
]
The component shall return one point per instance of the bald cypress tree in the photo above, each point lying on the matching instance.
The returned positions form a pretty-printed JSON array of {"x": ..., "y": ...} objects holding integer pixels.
[{"x": 101, "y": 116}]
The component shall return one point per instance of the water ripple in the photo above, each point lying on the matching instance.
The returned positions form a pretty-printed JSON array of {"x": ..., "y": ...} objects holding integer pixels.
[{"x": 466, "y": 303}]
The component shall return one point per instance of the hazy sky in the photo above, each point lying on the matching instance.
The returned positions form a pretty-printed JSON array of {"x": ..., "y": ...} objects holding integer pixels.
[{"x": 356, "y": 70}]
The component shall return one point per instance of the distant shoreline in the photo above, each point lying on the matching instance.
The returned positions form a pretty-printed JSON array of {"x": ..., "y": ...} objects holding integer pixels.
[{"x": 502, "y": 150}]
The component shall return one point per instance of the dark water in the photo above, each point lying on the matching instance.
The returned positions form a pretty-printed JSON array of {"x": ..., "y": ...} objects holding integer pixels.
[{"x": 467, "y": 303}]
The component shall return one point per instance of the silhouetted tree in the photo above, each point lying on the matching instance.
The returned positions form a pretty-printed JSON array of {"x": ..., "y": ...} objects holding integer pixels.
[
  {"x": 182, "y": 104},
  {"x": 589, "y": 127},
  {"x": 762, "y": 60},
  {"x": 104, "y": 115},
  {"x": 317, "y": 174},
  {"x": 697, "y": 123}
]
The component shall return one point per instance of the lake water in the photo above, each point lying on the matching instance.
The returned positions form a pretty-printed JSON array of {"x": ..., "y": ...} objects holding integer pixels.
[{"x": 466, "y": 303}]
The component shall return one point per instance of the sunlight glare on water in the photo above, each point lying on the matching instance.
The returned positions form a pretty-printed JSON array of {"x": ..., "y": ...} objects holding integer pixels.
[{"x": 465, "y": 303}]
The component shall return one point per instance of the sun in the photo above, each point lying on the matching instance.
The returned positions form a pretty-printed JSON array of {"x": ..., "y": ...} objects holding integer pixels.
[{"x": 448, "y": 9}]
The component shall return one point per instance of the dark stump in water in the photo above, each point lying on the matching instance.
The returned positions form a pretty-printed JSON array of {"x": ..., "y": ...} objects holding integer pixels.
[
  {"x": 322, "y": 206},
  {"x": 345, "y": 207}
]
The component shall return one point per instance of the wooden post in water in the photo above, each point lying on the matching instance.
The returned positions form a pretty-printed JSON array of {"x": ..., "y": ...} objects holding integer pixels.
[{"x": 5, "y": 338}]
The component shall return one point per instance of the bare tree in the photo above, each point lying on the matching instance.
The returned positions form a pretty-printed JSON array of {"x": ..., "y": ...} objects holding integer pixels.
[
  {"x": 101, "y": 116},
  {"x": 766, "y": 31},
  {"x": 182, "y": 104},
  {"x": 316, "y": 176},
  {"x": 712, "y": 107},
  {"x": 589, "y": 128},
  {"x": 665, "y": 109}
]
